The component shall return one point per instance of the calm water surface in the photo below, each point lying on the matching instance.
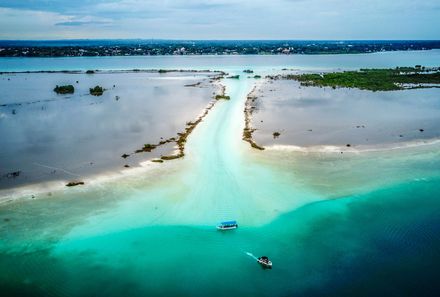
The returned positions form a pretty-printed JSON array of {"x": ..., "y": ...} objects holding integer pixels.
[
  {"x": 313, "y": 116},
  {"x": 309, "y": 62},
  {"x": 46, "y": 136},
  {"x": 334, "y": 225}
]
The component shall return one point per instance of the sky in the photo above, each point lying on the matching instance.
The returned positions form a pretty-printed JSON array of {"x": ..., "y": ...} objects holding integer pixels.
[{"x": 220, "y": 19}]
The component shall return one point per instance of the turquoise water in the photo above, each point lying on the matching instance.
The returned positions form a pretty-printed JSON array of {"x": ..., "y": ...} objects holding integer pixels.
[
  {"x": 359, "y": 224},
  {"x": 358, "y": 246}
]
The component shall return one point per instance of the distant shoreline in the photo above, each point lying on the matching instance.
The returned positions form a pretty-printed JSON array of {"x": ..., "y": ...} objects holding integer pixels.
[
  {"x": 105, "y": 71},
  {"x": 123, "y": 48}
]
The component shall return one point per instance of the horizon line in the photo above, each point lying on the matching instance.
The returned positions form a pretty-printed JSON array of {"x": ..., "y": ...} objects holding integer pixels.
[{"x": 172, "y": 39}]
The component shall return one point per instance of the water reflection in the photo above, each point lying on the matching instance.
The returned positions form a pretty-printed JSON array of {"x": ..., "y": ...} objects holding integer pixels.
[
  {"x": 49, "y": 136},
  {"x": 308, "y": 116}
]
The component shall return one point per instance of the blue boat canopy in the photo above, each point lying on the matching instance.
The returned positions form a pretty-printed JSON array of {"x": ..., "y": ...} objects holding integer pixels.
[{"x": 229, "y": 223}]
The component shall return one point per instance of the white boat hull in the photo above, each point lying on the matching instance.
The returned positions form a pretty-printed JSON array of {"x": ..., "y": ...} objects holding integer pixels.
[{"x": 267, "y": 265}]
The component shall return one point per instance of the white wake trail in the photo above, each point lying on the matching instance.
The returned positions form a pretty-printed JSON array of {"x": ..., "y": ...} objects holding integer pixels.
[{"x": 251, "y": 255}]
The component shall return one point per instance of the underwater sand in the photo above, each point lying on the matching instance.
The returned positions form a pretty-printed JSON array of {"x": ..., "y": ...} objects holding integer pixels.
[{"x": 333, "y": 224}]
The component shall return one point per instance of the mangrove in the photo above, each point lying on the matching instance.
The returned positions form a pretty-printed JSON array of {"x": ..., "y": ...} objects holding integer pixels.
[
  {"x": 67, "y": 89},
  {"x": 96, "y": 91},
  {"x": 399, "y": 78}
]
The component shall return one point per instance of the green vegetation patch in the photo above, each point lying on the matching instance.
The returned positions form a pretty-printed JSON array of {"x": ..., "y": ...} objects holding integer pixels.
[
  {"x": 67, "y": 89},
  {"x": 74, "y": 184},
  {"x": 96, "y": 91},
  {"x": 222, "y": 97},
  {"x": 373, "y": 79}
]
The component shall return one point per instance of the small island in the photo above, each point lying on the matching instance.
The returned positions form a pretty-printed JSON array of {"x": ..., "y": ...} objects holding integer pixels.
[
  {"x": 96, "y": 91},
  {"x": 399, "y": 78},
  {"x": 67, "y": 89}
]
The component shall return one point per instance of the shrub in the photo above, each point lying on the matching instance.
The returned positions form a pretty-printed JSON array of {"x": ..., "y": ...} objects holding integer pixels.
[
  {"x": 67, "y": 89},
  {"x": 96, "y": 91}
]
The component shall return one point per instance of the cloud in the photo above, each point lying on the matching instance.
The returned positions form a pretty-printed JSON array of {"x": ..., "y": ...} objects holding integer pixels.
[
  {"x": 79, "y": 23},
  {"x": 220, "y": 19}
]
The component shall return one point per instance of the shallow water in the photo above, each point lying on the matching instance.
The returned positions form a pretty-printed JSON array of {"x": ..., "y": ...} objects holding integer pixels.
[
  {"x": 333, "y": 224},
  {"x": 313, "y": 116},
  {"x": 47, "y": 136}
]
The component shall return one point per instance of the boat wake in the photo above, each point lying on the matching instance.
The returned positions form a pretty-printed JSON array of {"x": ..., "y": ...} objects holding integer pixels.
[{"x": 251, "y": 255}]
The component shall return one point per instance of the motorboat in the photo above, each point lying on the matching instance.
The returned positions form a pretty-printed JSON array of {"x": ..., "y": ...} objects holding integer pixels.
[
  {"x": 265, "y": 262},
  {"x": 228, "y": 225}
]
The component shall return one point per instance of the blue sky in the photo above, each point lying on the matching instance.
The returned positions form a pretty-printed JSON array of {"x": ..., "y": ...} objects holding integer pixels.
[{"x": 220, "y": 19}]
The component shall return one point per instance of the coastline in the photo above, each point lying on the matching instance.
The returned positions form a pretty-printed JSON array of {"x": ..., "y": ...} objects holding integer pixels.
[
  {"x": 47, "y": 188},
  {"x": 354, "y": 149},
  {"x": 248, "y": 130},
  {"x": 180, "y": 140},
  {"x": 41, "y": 188}
]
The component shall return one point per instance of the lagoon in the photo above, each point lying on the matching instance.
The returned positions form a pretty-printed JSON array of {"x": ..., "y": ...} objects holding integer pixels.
[
  {"x": 358, "y": 223},
  {"x": 313, "y": 117},
  {"x": 48, "y": 136}
]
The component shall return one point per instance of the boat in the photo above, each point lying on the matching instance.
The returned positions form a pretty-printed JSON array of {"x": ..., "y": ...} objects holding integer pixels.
[
  {"x": 265, "y": 262},
  {"x": 228, "y": 225}
]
